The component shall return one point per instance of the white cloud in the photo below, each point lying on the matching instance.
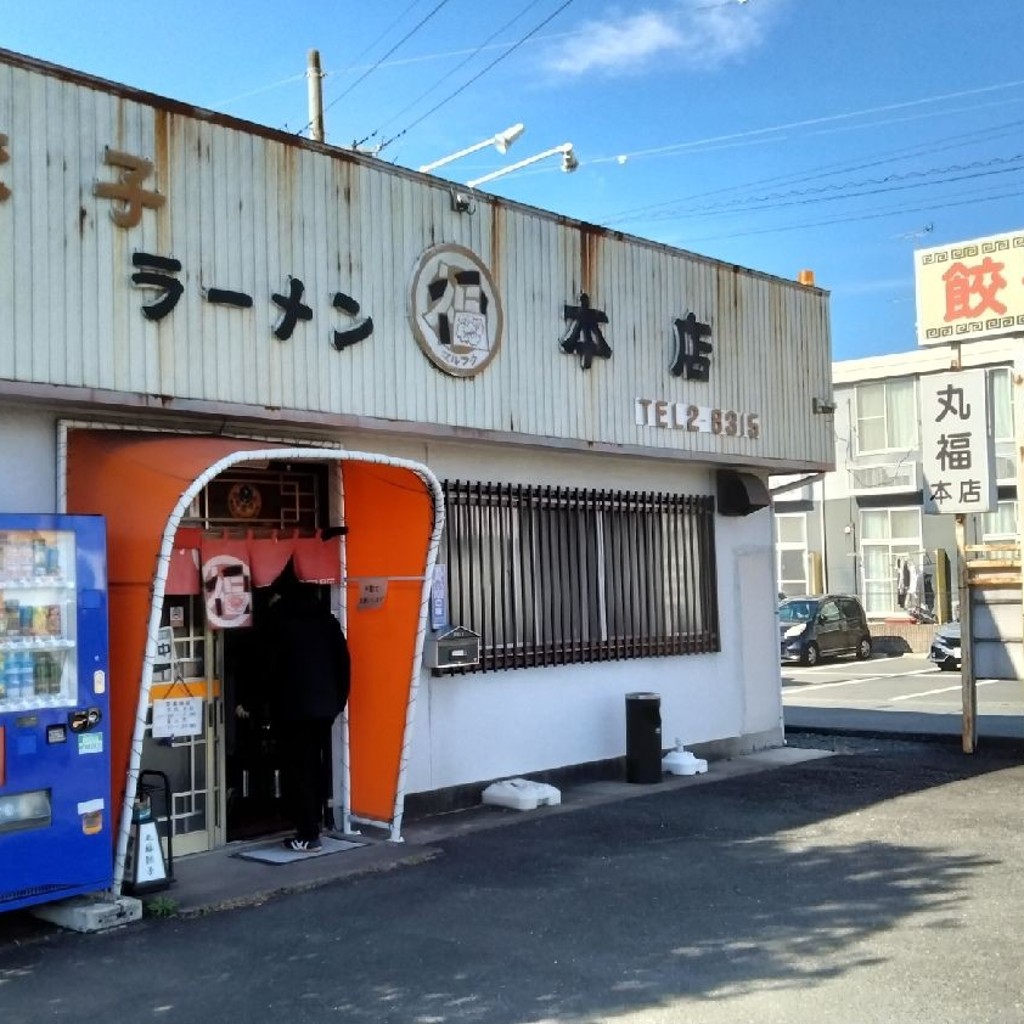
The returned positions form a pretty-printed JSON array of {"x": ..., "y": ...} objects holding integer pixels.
[{"x": 693, "y": 33}]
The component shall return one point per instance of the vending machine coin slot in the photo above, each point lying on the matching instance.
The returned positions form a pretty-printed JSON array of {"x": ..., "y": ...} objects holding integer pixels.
[{"x": 84, "y": 719}]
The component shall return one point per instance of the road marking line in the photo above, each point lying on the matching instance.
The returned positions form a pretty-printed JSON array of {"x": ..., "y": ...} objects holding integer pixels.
[
  {"x": 859, "y": 679},
  {"x": 830, "y": 686},
  {"x": 945, "y": 689}
]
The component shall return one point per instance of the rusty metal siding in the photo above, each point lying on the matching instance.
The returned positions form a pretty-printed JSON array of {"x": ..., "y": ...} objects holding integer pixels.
[{"x": 244, "y": 210}]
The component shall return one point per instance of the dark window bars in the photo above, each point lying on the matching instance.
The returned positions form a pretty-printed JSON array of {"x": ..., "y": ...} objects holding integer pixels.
[{"x": 553, "y": 575}]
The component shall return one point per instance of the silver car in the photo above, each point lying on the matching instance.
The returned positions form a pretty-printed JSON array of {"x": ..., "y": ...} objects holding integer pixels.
[{"x": 945, "y": 649}]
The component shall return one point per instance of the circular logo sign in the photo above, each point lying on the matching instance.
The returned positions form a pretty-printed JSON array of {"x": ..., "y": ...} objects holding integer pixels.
[
  {"x": 455, "y": 310},
  {"x": 244, "y": 500}
]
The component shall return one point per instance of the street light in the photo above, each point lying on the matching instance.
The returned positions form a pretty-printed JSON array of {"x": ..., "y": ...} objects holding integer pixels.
[
  {"x": 501, "y": 142},
  {"x": 569, "y": 163}
]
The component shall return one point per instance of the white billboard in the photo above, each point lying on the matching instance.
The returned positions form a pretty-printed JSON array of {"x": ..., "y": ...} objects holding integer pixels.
[
  {"x": 957, "y": 453},
  {"x": 970, "y": 290}
]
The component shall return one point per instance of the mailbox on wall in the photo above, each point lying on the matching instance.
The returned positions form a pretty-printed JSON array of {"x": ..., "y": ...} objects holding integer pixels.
[{"x": 455, "y": 647}]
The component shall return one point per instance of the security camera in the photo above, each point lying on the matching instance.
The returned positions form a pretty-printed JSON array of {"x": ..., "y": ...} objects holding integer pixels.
[{"x": 462, "y": 202}]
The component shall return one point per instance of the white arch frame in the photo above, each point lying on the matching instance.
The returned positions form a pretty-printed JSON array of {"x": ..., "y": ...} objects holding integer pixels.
[{"x": 157, "y": 604}]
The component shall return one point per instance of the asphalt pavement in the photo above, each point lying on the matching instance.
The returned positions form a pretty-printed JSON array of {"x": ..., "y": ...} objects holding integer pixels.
[
  {"x": 879, "y": 881},
  {"x": 897, "y": 695}
]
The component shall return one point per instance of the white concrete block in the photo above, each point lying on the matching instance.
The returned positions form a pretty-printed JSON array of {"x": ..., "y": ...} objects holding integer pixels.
[
  {"x": 521, "y": 794},
  {"x": 683, "y": 762},
  {"x": 96, "y": 913}
]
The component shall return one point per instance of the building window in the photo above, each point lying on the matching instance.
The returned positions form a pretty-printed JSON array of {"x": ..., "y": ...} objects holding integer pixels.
[
  {"x": 886, "y": 416},
  {"x": 1000, "y": 400},
  {"x": 551, "y": 575},
  {"x": 791, "y": 553},
  {"x": 888, "y": 537},
  {"x": 999, "y": 525}
]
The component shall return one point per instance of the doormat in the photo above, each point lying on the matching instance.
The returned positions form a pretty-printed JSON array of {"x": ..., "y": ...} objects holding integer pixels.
[{"x": 275, "y": 852}]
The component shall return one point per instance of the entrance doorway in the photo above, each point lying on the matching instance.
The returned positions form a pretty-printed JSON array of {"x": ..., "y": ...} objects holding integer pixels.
[
  {"x": 255, "y": 784},
  {"x": 226, "y": 780},
  {"x": 393, "y": 516}
]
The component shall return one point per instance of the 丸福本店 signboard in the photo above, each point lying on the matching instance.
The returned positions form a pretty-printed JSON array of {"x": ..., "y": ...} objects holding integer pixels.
[
  {"x": 970, "y": 290},
  {"x": 956, "y": 449}
]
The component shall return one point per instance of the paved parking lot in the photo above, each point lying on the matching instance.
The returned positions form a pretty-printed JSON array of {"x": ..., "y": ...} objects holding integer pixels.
[{"x": 896, "y": 694}]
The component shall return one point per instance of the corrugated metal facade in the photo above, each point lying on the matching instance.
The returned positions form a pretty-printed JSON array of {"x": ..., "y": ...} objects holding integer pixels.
[{"x": 245, "y": 209}]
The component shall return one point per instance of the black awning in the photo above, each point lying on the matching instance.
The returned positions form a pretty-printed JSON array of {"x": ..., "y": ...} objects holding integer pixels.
[{"x": 739, "y": 494}]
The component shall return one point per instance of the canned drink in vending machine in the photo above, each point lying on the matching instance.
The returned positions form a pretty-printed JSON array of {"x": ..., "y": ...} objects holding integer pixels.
[
  {"x": 46, "y": 675},
  {"x": 40, "y": 679},
  {"x": 12, "y": 675},
  {"x": 53, "y": 620},
  {"x": 28, "y": 669},
  {"x": 39, "y": 620},
  {"x": 39, "y": 556}
]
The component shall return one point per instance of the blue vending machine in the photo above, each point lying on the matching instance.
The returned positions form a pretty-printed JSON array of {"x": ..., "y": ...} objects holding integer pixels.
[{"x": 55, "y": 814}]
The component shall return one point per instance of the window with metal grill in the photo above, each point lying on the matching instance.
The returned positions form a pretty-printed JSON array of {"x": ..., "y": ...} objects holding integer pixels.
[{"x": 550, "y": 575}]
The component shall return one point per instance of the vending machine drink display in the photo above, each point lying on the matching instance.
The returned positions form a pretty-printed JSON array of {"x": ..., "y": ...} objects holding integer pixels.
[{"x": 55, "y": 814}]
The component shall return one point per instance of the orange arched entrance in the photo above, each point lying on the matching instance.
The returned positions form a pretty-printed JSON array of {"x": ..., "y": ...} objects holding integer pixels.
[{"x": 143, "y": 482}]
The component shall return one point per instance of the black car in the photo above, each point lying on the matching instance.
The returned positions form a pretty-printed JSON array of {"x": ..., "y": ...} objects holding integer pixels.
[
  {"x": 945, "y": 649},
  {"x": 811, "y": 628}
]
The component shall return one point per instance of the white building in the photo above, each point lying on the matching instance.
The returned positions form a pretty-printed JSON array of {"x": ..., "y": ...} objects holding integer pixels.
[{"x": 855, "y": 529}]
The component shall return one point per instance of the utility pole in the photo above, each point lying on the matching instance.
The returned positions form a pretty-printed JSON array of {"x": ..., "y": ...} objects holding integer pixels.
[{"x": 314, "y": 79}]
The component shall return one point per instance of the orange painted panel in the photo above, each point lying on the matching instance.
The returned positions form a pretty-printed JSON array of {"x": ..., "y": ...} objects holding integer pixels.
[
  {"x": 134, "y": 480},
  {"x": 390, "y": 517}
]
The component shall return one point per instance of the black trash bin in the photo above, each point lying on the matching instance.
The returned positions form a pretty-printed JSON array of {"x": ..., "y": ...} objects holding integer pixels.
[{"x": 643, "y": 737}]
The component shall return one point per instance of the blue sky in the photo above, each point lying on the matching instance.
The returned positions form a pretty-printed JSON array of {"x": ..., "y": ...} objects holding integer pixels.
[{"x": 775, "y": 134}]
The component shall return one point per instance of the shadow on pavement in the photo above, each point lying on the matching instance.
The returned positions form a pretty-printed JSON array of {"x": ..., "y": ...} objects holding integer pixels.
[{"x": 768, "y": 882}]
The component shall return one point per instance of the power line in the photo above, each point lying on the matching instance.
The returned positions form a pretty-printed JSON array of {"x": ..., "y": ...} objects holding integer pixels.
[
  {"x": 802, "y": 197},
  {"x": 462, "y": 88},
  {"x": 369, "y": 47},
  {"x": 471, "y": 54},
  {"x": 408, "y": 35},
  {"x": 949, "y": 203},
  {"x": 804, "y": 123},
  {"x": 419, "y": 58},
  {"x": 373, "y": 67},
  {"x": 838, "y": 167}
]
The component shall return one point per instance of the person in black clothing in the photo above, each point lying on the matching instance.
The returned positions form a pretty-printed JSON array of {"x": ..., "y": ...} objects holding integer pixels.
[{"x": 309, "y": 668}]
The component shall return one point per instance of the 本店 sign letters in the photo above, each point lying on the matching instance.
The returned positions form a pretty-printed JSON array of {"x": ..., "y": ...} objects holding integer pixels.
[{"x": 956, "y": 449}]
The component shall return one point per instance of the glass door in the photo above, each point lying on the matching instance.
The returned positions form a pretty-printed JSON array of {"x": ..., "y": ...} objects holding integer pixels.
[
  {"x": 791, "y": 554},
  {"x": 185, "y": 674}
]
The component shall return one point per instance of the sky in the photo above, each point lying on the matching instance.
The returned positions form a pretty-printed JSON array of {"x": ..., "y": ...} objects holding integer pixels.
[{"x": 779, "y": 135}]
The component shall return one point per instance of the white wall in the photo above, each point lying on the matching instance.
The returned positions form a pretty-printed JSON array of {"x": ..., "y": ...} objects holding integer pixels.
[
  {"x": 28, "y": 460},
  {"x": 482, "y": 726}
]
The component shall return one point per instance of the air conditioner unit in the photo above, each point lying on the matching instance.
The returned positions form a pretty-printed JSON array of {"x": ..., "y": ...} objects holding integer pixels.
[
  {"x": 1006, "y": 469},
  {"x": 886, "y": 478}
]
